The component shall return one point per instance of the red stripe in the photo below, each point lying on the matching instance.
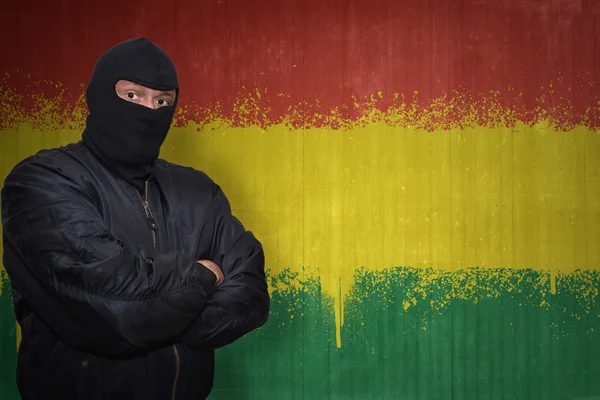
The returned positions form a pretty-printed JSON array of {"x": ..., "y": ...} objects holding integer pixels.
[{"x": 340, "y": 48}]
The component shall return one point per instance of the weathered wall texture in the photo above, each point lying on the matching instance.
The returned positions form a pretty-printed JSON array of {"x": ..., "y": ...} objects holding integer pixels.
[{"x": 424, "y": 176}]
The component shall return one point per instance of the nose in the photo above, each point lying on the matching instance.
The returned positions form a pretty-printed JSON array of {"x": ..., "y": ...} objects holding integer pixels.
[{"x": 148, "y": 103}]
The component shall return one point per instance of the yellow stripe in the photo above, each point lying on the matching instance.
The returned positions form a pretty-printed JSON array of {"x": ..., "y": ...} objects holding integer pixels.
[{"x": 378, "y": 196}]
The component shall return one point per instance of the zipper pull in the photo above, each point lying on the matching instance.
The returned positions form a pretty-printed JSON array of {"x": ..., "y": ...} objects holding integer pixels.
[{"x": 149, "y": 215}]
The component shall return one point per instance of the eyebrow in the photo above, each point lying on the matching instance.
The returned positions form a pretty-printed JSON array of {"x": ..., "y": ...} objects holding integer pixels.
[{"x": 137, "y": 86}]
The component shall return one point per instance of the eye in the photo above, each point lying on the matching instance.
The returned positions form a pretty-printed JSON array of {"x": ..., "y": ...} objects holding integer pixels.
[
  {"x": 131, "y": 96},
  {"x": 163, "y": 102}
]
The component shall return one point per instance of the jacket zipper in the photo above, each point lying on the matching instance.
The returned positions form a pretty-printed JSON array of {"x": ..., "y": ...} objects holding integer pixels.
[
  {"x": 176, "y": 370},
  {"x": 149, "y": 215},
  {"x": 153, "y": 228}
]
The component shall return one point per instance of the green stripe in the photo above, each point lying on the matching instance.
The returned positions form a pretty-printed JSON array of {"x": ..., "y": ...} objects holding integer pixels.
[{"x": 506, "y": 337}]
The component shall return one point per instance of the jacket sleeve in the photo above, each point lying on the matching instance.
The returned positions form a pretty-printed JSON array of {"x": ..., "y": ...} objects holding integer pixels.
[
  {"x": 76, "y": 276},
  {"x": 241, "y": 304}
]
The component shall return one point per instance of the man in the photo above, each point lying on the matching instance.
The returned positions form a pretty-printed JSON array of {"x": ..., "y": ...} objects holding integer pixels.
[{"x": 127, "y": 270}]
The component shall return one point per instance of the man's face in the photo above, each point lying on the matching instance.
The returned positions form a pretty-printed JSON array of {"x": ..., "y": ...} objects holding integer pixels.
[{"x": 142, "y": 95}]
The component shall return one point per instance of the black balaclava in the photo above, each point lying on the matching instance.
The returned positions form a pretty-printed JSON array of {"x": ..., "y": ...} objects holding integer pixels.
[{"x": 126, "y": 136}]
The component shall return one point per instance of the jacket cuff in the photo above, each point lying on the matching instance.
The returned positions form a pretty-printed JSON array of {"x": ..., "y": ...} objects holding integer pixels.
[{"x": 208, "y": 279}]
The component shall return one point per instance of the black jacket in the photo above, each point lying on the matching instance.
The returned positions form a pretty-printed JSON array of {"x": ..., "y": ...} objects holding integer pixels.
[{"x": 106, "y": 287}]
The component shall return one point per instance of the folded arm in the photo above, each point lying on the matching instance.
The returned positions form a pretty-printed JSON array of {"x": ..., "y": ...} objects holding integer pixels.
[
  {"x": 76, "y": 276},
  {"x": 241, "y": 304}
]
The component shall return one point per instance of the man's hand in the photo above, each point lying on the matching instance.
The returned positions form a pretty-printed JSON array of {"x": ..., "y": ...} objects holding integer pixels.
[{"x": 215, "y": 269}]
